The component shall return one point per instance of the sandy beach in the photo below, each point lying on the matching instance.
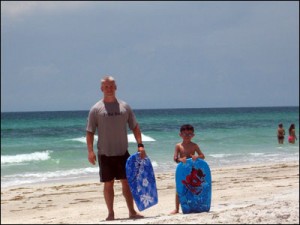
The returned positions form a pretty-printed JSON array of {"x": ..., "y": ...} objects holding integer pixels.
[{"x": 266, "y": 193}]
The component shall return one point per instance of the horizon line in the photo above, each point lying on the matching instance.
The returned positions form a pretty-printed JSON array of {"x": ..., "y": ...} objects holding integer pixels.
[{"x": 221, "y": 107}]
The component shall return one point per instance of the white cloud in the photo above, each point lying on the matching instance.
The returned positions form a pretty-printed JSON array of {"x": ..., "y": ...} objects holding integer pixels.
[{"x": 16, "y": 10}]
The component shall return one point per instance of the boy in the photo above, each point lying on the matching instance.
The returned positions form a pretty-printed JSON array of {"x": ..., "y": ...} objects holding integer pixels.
[{"x": 184, "y": 150}]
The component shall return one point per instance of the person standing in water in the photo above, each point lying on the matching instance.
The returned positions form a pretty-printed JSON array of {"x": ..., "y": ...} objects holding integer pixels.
[
  {"x": 280, "y": 133},
  {"x": 292, "y": 134}
]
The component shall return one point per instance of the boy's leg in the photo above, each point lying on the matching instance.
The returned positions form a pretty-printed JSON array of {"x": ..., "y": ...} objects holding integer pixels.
[{"x": 176, "y": 210}]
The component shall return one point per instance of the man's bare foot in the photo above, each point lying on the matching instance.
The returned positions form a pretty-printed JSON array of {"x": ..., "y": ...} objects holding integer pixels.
[
  {"x": 110, "y": 216},
  {"x": 175, "y": 211},
  {"x": 136, "y": 216}
]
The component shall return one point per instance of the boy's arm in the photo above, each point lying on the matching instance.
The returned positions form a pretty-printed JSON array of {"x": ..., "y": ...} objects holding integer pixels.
[
  {"x": 176, "y": 158},
  {"x": 199, "y": 152}
]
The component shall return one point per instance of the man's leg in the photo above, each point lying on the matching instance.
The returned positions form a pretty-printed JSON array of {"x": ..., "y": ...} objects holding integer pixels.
[
  {"x": 129, "y": 200},
  {"x": 109, "y": 198}
]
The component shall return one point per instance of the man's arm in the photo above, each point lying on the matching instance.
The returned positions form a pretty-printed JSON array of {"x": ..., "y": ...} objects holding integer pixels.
[
  {"x": 90, "y": 147},
  {"x": 138, "y": 137}
]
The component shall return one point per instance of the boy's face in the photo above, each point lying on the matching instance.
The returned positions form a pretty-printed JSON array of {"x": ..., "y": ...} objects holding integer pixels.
[{"x": 187, "y": 134}]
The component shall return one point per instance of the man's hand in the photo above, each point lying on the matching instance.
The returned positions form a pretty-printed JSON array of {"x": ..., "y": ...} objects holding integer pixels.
[
  {"x": 92, "y": 157},
  {"x": 142, "y": 152}
]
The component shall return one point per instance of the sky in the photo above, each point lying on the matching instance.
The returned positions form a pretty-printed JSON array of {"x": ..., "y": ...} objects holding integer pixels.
[{"x": 163, "y": 54}]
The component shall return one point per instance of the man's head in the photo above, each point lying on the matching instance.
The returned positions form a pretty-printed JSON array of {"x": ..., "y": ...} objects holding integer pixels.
[{"x": 108, "y": 86}]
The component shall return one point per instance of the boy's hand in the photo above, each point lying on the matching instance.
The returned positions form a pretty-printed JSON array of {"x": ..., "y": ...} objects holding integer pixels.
[{"x": 194, "y": 157}]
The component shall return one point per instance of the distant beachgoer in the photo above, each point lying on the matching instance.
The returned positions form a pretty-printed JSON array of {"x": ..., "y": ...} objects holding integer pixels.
[
  {"x": 292, "y": 134},
  {"x": 280, "y": 133},
  {"x": 110, "y": 117},
  {"x": 184, "y": 150}
]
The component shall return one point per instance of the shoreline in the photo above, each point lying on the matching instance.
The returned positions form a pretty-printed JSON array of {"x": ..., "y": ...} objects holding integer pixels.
[
  {"x": 253, "y": 193},
  {"x": 90, "y": 178}
]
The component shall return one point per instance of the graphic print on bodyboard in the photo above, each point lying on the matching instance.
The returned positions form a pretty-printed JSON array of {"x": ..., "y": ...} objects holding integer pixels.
[
  {"x": 141, "y": 180},
  {"x": 193, "y": 185}
]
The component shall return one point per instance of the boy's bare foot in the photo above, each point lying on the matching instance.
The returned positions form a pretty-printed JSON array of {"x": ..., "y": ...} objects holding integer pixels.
[{"x": 175, "y": 211}]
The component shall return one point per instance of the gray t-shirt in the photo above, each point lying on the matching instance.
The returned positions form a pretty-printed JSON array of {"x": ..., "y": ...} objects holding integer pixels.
[{"x": 111, "y": 120}]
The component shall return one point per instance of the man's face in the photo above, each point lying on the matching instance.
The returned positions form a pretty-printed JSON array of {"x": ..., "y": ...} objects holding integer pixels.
[{"x": 109, "y": 88}]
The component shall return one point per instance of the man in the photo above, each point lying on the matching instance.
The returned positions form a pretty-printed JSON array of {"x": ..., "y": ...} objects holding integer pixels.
[{"x": 110, "y": 117}]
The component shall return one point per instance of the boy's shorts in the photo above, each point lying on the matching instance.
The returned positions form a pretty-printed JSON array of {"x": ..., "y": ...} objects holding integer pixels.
[{"x": 112, "y": 167}]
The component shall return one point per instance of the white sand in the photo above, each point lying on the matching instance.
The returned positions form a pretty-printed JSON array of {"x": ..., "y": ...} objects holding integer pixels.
[{"x": 242, "y": 194}]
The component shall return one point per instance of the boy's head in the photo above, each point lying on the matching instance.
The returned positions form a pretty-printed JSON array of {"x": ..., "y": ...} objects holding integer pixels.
[
  {"x": 186, "y": 127},
  {"x": 186, "y": 130}
]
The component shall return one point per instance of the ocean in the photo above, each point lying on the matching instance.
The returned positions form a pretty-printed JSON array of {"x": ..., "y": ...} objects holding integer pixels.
[{"x": 39, "y": 147}]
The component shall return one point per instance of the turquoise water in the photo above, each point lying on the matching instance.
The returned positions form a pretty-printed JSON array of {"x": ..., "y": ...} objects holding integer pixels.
[{"x": 50, "y": 146}]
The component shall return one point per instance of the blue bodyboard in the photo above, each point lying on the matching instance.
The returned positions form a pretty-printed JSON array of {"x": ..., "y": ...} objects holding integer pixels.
[
  {"x": 141, "y": 180},
  {"x": 193, "y": 186}
]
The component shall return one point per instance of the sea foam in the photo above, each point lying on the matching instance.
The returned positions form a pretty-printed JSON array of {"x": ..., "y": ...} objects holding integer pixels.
[
  {"x": 35, "y": 156},
  {"x": 27, "y": 178},
  {"x": 131, "y": 138}
]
